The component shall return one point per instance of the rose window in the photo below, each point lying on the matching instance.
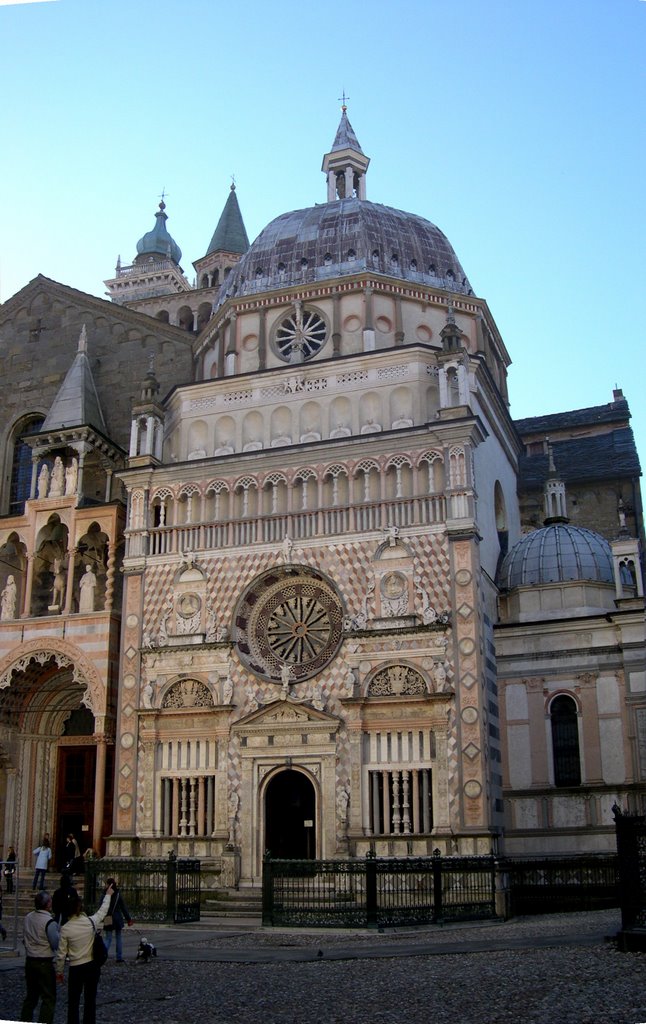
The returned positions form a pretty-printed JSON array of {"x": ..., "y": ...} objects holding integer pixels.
[
  {"x": 300, "y": 335},
  {"x": 289, "y": 616}
]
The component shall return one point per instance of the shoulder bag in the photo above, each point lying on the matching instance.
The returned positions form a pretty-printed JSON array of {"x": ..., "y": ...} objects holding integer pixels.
[{"x": 99, "y": 952}]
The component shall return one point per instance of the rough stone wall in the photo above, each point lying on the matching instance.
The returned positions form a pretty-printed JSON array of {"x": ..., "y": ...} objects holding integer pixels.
[{"x": 39, "y": 338}]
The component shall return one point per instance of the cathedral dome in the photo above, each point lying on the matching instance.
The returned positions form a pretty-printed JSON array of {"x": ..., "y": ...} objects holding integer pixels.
[
  {"x": 159, "y": 242},
  {"x": 346, "y": 236},
  {"x": 558, "y": 553}
]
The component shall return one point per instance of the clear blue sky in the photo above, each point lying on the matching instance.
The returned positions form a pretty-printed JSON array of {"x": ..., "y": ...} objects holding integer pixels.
[{"x": 517, "y": 126}]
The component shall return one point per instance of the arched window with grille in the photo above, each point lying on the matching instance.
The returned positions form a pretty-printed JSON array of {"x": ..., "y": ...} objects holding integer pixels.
[
  {"x": 21, "y": 464},
  {"x": 565, "y": 741}
]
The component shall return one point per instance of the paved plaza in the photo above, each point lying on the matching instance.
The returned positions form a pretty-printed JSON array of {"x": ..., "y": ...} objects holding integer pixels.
[{"x": 558, "y": 969}]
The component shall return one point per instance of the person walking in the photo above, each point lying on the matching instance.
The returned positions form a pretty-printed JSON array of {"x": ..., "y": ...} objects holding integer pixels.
[
  {"x": 76, "y": 942},
  {"x": 116, "y": 917},
  {"x": 10, "y": 868},
  {"x": 63, "y": 898},
  {"x": 40, "y": 935},
  {"x": 72, "y": 854},
  {"x": 43, "y": 855}
]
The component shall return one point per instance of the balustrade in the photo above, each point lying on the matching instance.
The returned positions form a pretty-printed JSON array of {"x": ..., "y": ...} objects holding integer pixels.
[{"x": 298, "y": 525}]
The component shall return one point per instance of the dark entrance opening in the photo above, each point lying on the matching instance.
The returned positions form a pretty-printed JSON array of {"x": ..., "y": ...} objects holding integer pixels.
[
  {"x": 76, "y": 767},
  {"x": 289, "y": 816}
]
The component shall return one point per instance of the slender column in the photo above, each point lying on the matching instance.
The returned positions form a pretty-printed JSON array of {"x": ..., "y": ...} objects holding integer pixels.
[
  {"x": 108, "y": 485},
  {"x": 426, "y": 812},
  {"x": 416, "y": 818},
  {"x": 99, "y": 791},
  {"x": 396, "y": 807},
  {"x": 399, "y": 322},
  {"x": 406, "y": 801},
  {"x": 201, "y": 828},
  {"x": 69, "y": 588},
  {"x": 386, "y": 802},
  {"x": 175, "y": 831},
  {"x": 368, "y": 327},
  {"x": 79, "y": 481},
  {"x": 349, "y": 182},
  {"x": 150, "y": 434},
  {"x": 109, "y": 579},
  {"x": 134, "y": 434},
  {"x": 375, "y": 802},
  {"x": 167, "y": 804},
  {"x": 365, "y": 805},
  {"x": 192, "y": 812},
  {"x": 26, "y": 602},
  {"x": 34, "y": 477},
  {"x": 219, "y": 341},
  {"x": 262, "y": 340},
  {"x": 210, "y": 807},
  {"x": 336, "y": 333}
]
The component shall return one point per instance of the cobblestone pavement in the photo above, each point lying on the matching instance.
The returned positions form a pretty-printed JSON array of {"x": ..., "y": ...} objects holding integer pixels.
[{"x": 549, "y": 970}]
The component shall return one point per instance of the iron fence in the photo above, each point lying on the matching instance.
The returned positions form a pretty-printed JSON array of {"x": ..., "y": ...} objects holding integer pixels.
[
  {"x": 376, "y": 892},
  {"x": 631, "y": 847},
  {"x": 550, "y": 885},
  {"x": 155, "y": 890}
]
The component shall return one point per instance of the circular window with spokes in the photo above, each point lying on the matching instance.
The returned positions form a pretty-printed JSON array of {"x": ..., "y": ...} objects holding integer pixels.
[
  {"x": 289, "y": 616},
  {"x": 300, "y": 335}
]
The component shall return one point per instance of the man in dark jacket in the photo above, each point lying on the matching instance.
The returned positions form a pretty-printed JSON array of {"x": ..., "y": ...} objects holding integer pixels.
[{"x": 40, "y": 935}]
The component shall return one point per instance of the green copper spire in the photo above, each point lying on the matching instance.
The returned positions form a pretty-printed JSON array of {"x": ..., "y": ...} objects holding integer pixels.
[{"x": 230, "y": 235}]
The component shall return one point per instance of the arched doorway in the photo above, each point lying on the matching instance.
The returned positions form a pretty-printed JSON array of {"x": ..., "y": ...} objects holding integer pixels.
[{"x": 290, "y": 822}]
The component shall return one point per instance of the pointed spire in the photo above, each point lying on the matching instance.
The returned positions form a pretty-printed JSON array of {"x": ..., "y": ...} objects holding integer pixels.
[
  {"x": 346, "y": 163},
  {"x": 554, "y": 493},
  {"x": 77, "y": 402},
  {"x": 230, "y": 234}
]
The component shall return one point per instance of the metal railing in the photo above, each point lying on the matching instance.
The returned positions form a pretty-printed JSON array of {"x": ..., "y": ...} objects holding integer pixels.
[
  {"x": 153, "y": 889},
  {"x": 376, "y": 892},
  {"x": 551, "y": 885}
]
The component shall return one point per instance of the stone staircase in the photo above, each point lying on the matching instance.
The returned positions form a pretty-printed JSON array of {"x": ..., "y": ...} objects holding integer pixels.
[{"x": 228, "y": 905}]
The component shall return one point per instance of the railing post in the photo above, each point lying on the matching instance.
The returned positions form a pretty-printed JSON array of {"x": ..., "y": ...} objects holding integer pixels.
[
  {"x": 371, "y": 890},
  {"x": 437, "y": 885},
  {"x": 171, "y": 886},
  {"x": 267, "y": 891}
]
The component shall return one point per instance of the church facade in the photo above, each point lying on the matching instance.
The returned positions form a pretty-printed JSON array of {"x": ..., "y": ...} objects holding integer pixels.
[{"x": 283, "y": 595}]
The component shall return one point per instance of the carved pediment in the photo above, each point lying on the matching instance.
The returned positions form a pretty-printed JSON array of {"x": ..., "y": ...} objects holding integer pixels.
[{"x": 284, "y": 716}]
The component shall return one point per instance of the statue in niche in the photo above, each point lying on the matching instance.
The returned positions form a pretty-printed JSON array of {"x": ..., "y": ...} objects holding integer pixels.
[
  {"x": 58, "y": 593},
  {"x": 371, "y": 427},
  {"x": 43, "y": 481},
  {"x": 342, "y": 801},
  {"x": 349, "y": 682},
  {"x": 87, "y": 586},
  {"x": 147, "y": 695},
  {"x": 71, "y": 476},
  {"x": 227, "y": 688},
  {"x": 8, "y": 600},
  {"x": 440, "y": 680},
  {"x": 57, "y": 482}
]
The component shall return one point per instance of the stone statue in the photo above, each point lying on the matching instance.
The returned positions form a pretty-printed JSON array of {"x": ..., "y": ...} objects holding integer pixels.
[
  {"x": 58, "y": 593},
  {"x": 285, "y": 677},
  {"x": 147, "y": 695},
  {"x": 87, "y": 587},
  {"x": 288, "y": 545},
  {"x": 57, "y": 482},
  {"x": 439, "y": 677},
  {"x": 43, "y": 480},
  {"x": 71, "y": 476},
  {"x": 8, "y": 600},
  {"x": 391, "y": 533},
  {"x": 316, "y": 699},
  {"x": 350, "y": 681},
  {"x": 227, "y": 689},
  {"x": 342, "y": 801}
]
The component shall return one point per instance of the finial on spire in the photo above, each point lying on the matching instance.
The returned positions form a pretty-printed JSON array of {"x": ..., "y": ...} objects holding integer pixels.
[
  {"x": 233, "y": 182},
  {"x": 83, "y": 339},
  {"x": 164, "y": 193},
  {"x": 450, "y": 312},
  {"x": 343, "y": 100},
  {"x": 550, "y": 454}
]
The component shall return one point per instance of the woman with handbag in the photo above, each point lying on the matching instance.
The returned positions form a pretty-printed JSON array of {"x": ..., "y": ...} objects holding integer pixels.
[
  {"x": 77, "y": 942},
  {"x": 118, "y": 914}
]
